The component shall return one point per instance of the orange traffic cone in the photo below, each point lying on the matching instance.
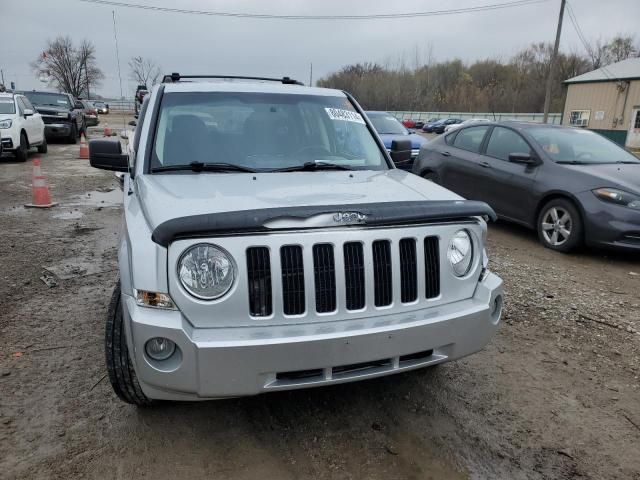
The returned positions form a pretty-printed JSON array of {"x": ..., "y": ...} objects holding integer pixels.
[
  {"x": 39, "y": 189},
  {"x": 84, "y": 148},
  {"x": 107, "y": 131}
]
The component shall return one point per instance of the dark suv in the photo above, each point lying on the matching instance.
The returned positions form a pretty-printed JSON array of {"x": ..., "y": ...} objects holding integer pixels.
[{"x": 62, "y": 113}]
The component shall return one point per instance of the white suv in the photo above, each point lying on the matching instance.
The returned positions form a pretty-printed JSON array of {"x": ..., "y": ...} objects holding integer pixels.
[
  {"x": 270, "y": 244},
  {"x": 21, "y": 127}
]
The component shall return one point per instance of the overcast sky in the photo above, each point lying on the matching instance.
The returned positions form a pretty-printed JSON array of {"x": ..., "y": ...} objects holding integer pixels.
[{"x": 237, "y": 46}]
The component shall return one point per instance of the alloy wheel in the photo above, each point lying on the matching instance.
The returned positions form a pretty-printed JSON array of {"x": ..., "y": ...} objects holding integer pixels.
[{"x": 556, "y": 226}]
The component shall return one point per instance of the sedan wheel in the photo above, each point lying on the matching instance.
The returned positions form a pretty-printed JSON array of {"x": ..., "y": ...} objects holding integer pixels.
[
  {"x": 556, "y": 226},
  {"x": 560, "y": 226}
]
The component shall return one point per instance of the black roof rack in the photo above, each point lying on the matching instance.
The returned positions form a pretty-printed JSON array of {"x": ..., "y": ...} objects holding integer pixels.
[{"x": 176, "y": 77}]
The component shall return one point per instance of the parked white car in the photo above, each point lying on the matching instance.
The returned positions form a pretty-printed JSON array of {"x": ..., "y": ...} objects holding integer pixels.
[
  {"x": 21, "y": 127},
  {"x": 453, "y": 126}
]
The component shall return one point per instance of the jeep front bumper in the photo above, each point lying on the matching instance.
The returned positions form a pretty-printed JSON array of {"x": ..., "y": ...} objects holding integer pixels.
[{"x": 230, "y": 362}]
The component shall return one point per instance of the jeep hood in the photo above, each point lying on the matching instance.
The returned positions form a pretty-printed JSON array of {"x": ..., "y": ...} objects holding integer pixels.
[{"x": 243, "y": 203}]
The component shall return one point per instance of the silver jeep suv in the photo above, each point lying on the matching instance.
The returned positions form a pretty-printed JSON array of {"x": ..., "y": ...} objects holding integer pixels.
[{"x": 270, "y": 244}]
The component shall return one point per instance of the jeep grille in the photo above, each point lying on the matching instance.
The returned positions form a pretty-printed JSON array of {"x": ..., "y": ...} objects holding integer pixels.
[{"x": 295, "y": 299}]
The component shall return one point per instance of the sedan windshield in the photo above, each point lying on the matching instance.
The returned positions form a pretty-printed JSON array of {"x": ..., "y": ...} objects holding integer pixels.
[
  {"x": 573, "y": 145},
  {"x": 7, "y": 106},
  {"x": 385, "y": 123},
  {"x": 262, "y": 132},
  {"x": 48, "y": 99}
]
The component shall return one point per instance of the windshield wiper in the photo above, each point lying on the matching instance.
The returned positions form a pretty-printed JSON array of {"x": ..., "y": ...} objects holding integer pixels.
[
  {"x": 573, "y": 162},
  {"x": 203, "y": 167},
  {"x": 627, "y": 162},
  {"x": 313, "y": 166}
]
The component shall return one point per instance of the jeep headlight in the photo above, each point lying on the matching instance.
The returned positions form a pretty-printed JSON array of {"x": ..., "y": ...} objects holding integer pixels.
[
  {"x": 5, "y": 123},
  {"x": 206, "y": 271},
  {"x": 460, "y": 253}
]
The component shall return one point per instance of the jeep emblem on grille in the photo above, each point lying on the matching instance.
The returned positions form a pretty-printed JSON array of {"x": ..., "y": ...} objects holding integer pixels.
[{"x": 349, "y": 217}]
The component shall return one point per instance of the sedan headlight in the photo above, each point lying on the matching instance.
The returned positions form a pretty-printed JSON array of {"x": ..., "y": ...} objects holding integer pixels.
[
  {"x": 206, "y": 271},
  {"x": 5, "y": 123},
  {"x": 460, "y": 253},
  {"x": 64, "y": 114},
  {"x": 619, "y": 197}
]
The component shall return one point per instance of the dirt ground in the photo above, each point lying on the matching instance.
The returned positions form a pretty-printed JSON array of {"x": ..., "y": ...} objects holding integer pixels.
[{"x": 555, "y": 394}]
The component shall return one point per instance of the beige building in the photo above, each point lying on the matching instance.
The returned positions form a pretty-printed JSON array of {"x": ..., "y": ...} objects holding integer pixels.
[{"x": 607, "y": 100}]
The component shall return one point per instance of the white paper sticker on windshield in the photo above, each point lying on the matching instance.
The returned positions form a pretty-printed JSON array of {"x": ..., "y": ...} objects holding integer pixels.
[
  {"x": 63, "y": 102},
  {"x": 6, "y": 100},
  {"x": 345, "y": 115}
]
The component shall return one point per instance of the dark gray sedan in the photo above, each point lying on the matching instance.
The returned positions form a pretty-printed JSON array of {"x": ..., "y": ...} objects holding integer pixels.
[{"x": 572, "y": 185}]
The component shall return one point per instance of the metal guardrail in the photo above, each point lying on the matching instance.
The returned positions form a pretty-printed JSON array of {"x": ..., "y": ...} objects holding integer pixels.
[
  {"x": 554, "y": 118},
  {"x": 120, "y": 105}
]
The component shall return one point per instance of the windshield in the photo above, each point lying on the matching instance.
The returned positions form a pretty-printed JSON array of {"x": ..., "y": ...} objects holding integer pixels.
[
  {"x": 572, "y": 145},
  {"x": 98, "y": 104},
  {"x": 385, "y": 123},
  {"x": 7, "y": 105},
  {"x": 48, "y": 99},
  {"x": 262, "y": 132}
]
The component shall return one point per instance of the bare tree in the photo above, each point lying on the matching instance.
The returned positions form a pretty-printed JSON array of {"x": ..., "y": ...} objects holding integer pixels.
[
  {"x": 144, "y": 71},
  {"x": 68, "y": 68},
  {"x": 598, "y": 53},
  {"x": 621, "y": 47}
]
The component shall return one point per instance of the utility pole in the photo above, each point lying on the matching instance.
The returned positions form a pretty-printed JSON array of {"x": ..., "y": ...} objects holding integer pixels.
[
  {"x": 311, "y": 74},
  {"x": 2, "y": 75},
  {"x": 552, "y": 66}
]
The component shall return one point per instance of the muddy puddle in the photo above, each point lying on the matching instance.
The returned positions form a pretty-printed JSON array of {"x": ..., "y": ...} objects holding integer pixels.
[{"x": 96, "y": 198}]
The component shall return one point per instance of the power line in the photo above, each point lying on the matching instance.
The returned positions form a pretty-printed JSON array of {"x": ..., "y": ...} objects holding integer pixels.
[
  {"x": 583, "y": 39},
  {"x": 261, "y": 16}
]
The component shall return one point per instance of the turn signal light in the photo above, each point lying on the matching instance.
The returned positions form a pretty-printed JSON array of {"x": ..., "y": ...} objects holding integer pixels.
[{"x": 154, "y": 300}]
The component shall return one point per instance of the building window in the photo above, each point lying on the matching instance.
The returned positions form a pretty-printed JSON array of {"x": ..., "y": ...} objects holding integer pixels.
[
  {"x": 579, "y": 118},
  {"x": 636, "y": 124}
]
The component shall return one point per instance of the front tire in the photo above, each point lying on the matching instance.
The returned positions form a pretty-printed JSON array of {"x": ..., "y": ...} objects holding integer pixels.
[
  {"x": 119, "y": 367},
  {"x": 42, "y": 148},
  {"x": 22, "y": 152},
  {"x": 560, "y": 226}
]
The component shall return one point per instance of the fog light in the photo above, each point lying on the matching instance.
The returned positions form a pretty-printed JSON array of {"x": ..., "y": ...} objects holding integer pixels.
[{"x": 159, "y": 348}]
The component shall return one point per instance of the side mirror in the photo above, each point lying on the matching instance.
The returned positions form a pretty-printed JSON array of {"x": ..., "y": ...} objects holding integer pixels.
[
  {"x": 107, "y": 155},
  {"x": 27, "y": 112},
  {"x": 133, "y": 123},
  {"x": 523, "y": 158},
  {"x": 401, "y": 151}
]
